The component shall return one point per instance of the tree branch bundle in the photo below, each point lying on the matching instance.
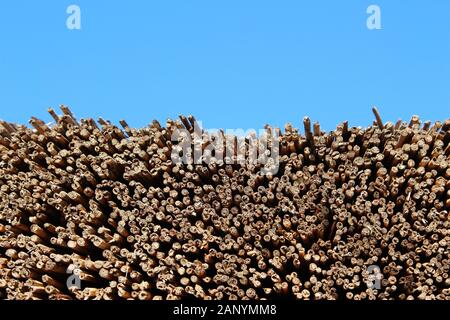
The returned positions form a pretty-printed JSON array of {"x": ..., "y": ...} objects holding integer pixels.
[{"x": 110, "y": 203}]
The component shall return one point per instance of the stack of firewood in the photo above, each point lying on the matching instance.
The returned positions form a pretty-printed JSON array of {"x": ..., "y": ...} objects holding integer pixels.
[{"x": 89, "y": 210}]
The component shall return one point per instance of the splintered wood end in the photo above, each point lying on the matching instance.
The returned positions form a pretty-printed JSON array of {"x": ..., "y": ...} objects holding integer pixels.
[{"x": 378, "y": 117}]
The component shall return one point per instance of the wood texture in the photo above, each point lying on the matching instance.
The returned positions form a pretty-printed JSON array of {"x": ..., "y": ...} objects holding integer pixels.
[{"x": 109, "y": 203}]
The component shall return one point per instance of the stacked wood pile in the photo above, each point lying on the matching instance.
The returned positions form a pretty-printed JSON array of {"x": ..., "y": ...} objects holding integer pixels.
[{"x": 108, "y": 205}]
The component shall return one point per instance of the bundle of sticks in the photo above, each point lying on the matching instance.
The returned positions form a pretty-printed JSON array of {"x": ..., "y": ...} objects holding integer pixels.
[{"x": 92, "y": 211}]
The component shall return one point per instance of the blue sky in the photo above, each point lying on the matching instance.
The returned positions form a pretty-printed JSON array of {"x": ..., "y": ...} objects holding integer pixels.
[{"x": 232, "y": 64}]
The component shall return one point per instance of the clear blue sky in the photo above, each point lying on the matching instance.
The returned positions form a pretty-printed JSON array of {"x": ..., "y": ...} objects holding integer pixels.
[{"x": 233, "y": 63}]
